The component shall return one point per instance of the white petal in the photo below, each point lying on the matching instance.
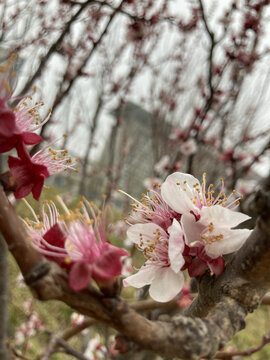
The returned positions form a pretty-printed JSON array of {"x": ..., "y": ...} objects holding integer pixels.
[
  {"x": 176, "y": 246},
  {"x": 231, "y": 242},
  {"x": 221, "y": 215},
  {"x": 166, "y": 284},
  {"x": 142, "y": 232},
  {"x": 175, "y": 196},
  {"x": 191, "y": 228},
  {"x": 143, "y": 277}
]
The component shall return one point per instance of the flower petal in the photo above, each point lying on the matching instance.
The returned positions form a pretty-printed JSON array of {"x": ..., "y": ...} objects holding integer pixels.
[
  {"x": 37, "y": 188},
  {"x": 23, "y": 190},
  {"x": 140, "y": 233},
  {"x": 176, "y": 246},
  {"x": 197, "y": 267},
  {"x": 55, "y": 236},
  {"x": 166, "y": 284},
  {"x": 232, "y": 241},
  {"x": 221, "y": 215},
  {"x": 31, "y": 138},
  {"x": 178, "y": 196},
  {"x": 191, "y": 228},
  {"x": 7, "y": 121},
  {"x": 109, "y": 265},
  {"x": 143, "y": 277},
  {"x": 79, "y": 276},
  {"x": 217, "y": 265}
]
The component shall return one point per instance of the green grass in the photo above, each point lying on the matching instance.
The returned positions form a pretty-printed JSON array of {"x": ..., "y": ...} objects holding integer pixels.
[
  {"x": 258, "y": 324},
  {"x": 54, "y": 315}
]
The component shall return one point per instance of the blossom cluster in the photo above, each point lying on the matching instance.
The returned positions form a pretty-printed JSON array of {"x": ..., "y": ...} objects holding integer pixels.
[
  {"x": 183, "y": 225},
  {"x": 96, "y": 349},
  {"x": 77, "y": 242},
  {"x": 17, "y": 131},
  {"x": 30, "y": 327}
]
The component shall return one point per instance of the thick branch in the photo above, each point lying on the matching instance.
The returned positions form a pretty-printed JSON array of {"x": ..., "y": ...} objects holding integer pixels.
[{"x": 248, "y": 352}]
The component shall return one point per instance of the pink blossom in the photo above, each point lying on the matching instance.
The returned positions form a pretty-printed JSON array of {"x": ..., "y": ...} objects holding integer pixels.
[
  {"x": 152, "y": 183},
  {"x": 93, "y": 256},
  {"x": 189, "y": 147},
  {"x": 177, "y": 134},
  {"x": 245, "y": 186},
  {"x": 20, "y": 281},
  {"x": 95, "y": 349},
  {"x": 79, "y": 244},
  {"x": 119, "y": 228},
  {"x": 29, "y": 328},
  {"x": 227, "y": 156},
  {"x": 163, "y": 251},
  {"x": 15, "y": 129},
  {"x": 208, "y": 222},
  {"x": 185, "y": 299},
  {"x": 127, "y": 266},
  {"x": 163, "y": 164},
  {"x": 77, "y": 319},
  {"x": 30, "y": 173}
]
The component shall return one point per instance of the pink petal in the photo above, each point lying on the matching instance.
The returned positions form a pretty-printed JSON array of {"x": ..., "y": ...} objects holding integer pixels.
[
  {"x": 191, "y": 228},
  {"x": 166, "y": 284},
  {"x": 55, "y": 236},
  {"x": 232, "y": 241},
  {"x": 79, "y": 276},
  {"x": 178, "y": 196},
  {"x": 12, "y": 161},
  {"x": 7, "y": 143},
  {"x": 7, "y": 122},
  {"x": 217, "y": 265},
  {"x": 41, "y": 170},
  {"x": 31, "y": 138},
  {"x": 188, "y": 261},
  {"x": 143, "y": 277},
  {"x": 109, "y": 264},
  {"x": 221, "y": 216},
  {"x": 23, "y": 191},
  {"x": 197, "y": 267},
  {"x": 36, "y": 191},
  {"x": 176, "y": 246},
  {"x": 22, "y": 151}
]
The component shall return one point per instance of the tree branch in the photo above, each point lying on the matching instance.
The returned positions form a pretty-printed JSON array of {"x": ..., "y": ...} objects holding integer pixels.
[
  {"x": 54, "y": 47},
  {"x": 248, "y": 352}
]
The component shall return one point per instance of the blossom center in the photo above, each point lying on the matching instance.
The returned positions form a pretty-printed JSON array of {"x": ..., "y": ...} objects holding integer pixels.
[
  {"x": 208, "y": 237},
  {"x": 155, "y": 249}
]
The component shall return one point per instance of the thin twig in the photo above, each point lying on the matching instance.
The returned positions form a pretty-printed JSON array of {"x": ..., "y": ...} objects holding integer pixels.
[{"x": 248, "y": 352}]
